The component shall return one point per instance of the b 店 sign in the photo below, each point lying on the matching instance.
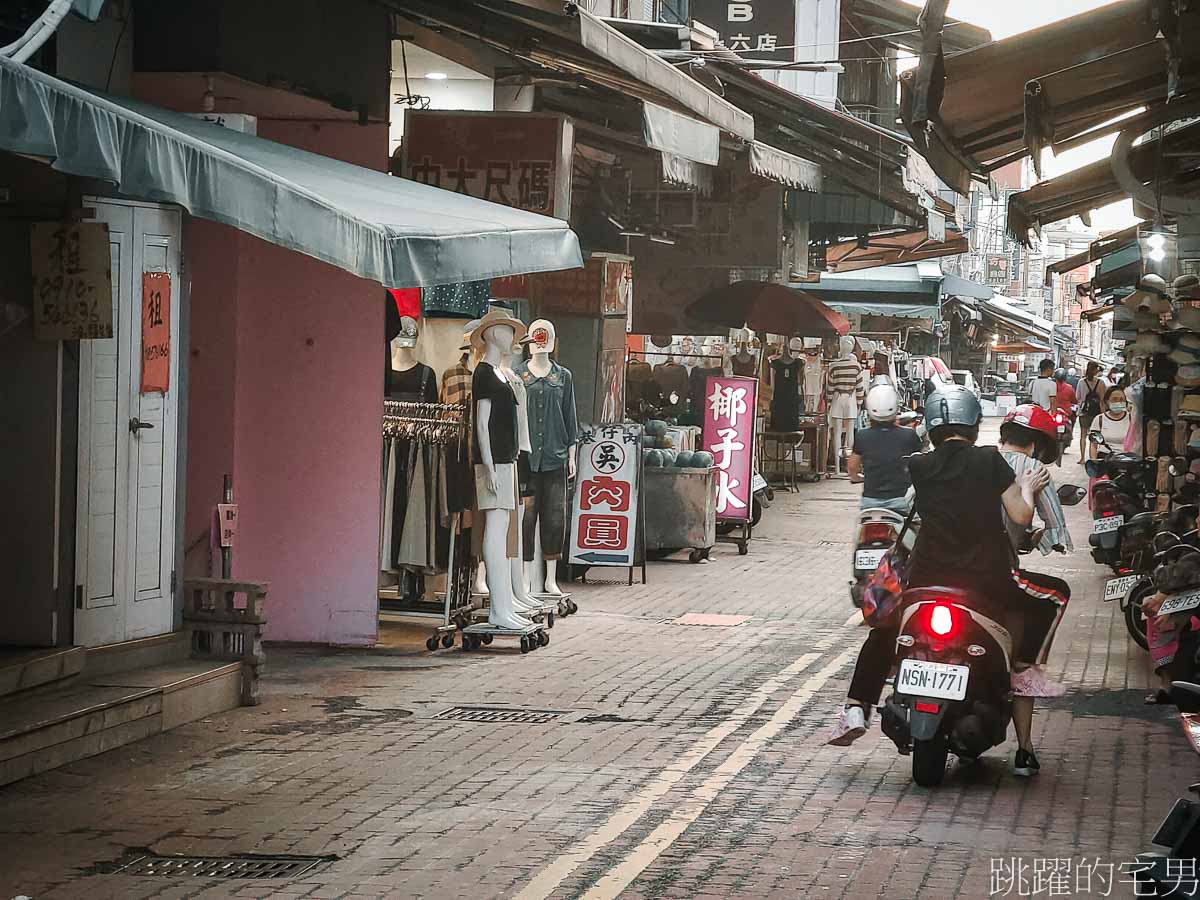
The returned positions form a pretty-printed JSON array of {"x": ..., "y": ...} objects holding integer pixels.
[
  {"x": 764, "y": 27},
  {"x": 521, "y": 160}
]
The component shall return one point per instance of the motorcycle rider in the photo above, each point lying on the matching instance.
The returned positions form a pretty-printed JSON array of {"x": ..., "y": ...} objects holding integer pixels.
[
  {"x": 1044, "y": 389},
  {"x": 1028, "y": 440},
  {"x": 962, "y": 492},
  {"x": 881, "y": 450}
]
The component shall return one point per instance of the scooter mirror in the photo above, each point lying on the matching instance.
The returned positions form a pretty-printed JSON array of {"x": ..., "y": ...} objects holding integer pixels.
[
  {"x": 1178, "y": 466},
  {"x": 1097, "y": 438},
  {"x": 1094, "y": 468},
  {"x": 1071, "y": 494}
]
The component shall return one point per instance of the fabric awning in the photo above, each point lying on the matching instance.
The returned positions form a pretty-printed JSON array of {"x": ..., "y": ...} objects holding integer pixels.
[
  {"x": 786, "y": 168},
  {"x": 954, "y": 286},
  {"x": 671, "y": 132},
  {"x": 1016, "y": 347},
  {"x": 891, "y": 246},
  {"x": 397, "y": 232},
  {"x": 894, "y": 310},
  {"x": 1006, "y": 100},
  {"x": 1018, "y": 319},
  {"x": 768, "y": 308},
  {"x": 1096, "y": 312}
]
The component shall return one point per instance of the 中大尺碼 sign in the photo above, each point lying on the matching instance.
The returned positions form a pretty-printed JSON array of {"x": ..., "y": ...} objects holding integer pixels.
[{"x": 522, "y": 160}]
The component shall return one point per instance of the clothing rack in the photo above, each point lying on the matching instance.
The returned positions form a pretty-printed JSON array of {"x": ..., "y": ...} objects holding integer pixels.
[
  {"x": 436, "y": 423},
  {"x": 671, "y": 355}
]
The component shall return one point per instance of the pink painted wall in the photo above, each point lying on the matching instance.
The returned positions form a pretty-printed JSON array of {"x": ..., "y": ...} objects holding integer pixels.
[{"x": 285, "y": 392}]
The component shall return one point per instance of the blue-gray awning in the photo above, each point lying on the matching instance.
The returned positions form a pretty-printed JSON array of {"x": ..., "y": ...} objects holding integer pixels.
[
  {"x": 391, "y": 230},
  {"x": 895, "y": 310}
]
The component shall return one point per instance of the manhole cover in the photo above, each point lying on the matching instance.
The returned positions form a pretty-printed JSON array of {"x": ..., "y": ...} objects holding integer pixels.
[
  {"x": 710, "y": 620},
  {"x": 247, "y": 866},
  {"x": 498, "y": 715}
]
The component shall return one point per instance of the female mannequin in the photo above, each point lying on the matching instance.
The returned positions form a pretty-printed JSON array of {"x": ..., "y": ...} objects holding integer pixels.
[
  {"x": 844, "y": 391},
  {"x": 495, "y": 458},
  {"x": 744, "y": 362},
  {"x": 524, "y": 603},
  {"x": 552, "y": 431},
  {"x": 410, "y": 379},
  {"x": 785, "y": 386}
]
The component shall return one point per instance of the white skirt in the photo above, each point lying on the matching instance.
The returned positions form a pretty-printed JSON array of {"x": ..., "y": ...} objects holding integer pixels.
[
  {"x": 506, "y": 487},
  {"x": 843, "y": 406}
]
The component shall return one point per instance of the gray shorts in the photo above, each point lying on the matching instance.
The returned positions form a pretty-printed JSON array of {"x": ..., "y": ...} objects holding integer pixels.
[{"x": 547, "y": 510}]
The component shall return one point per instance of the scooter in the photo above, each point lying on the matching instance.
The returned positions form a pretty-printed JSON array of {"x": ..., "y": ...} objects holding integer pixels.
[
  {"x": 953, "y": 684},
  {"x": 1065, "y": 420},
  {"x": 1126, "y": 492},
  {"x": 877, "y": 532}
]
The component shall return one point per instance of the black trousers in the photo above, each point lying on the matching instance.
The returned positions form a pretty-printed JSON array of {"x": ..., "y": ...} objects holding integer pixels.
[
  {"x": 1031, "y": 619},
  {"x": 547, "y": 510}
]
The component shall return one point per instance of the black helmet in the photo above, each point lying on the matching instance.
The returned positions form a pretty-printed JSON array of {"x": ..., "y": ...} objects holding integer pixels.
[
  {"x": 1060, "y": 374},
  {"x": 952, "y": 404}
]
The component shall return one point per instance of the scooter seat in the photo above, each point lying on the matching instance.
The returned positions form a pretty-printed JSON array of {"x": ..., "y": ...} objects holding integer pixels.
[{"x": 1186, "y": 687}]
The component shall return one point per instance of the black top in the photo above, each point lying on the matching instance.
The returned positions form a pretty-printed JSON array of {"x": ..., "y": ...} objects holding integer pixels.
[
  {"x": 962, "y": 541},
  {"x": 486, "y": 384},
  {"x": 418, "y": 383},
  {"x": 883, "y": 449}
]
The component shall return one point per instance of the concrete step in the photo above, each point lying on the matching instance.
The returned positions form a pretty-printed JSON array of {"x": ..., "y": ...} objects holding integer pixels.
[
  {"x": 24, "y": 670},
  {"x": 43, "y": 731}
]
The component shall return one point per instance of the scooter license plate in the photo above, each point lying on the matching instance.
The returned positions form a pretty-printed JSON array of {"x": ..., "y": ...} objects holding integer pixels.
[
  {"x": 1178, "y": 603},
  {"x": 932, "y": 679},
  {"x": 757, "y": 483},
  {"x": 868, "y": 560},
  {"x": 1106, "y": 524},
  {"x": 1117, "y": 588}
]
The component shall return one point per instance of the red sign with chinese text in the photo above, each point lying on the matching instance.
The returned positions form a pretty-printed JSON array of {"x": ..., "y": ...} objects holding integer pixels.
[
  {"x": 729, "y": 404},
  {"x": 156, "y": 332},
  {"x": 518, "y": 159}
]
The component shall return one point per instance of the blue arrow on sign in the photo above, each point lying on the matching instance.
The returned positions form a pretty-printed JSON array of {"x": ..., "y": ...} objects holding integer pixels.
[{"x": 593, "y": 557}]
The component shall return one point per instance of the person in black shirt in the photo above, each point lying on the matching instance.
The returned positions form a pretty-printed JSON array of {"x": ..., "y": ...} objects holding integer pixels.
[
  {"x": 881, "y": 451},
  {"x": 961, "y": 490}
]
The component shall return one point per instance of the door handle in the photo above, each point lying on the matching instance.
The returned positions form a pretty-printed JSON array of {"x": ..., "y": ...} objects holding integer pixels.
[{"x": 136, "y": 425}]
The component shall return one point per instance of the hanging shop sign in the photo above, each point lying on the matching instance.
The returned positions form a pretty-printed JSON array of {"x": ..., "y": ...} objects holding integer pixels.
[
  {"x": 997, "y": 269},
  {"x": 156, "y": 332},
  {"x": 604, "y": 514},
  {"x": 766, "y": 27},
  {"x": 72, "y": 283},
  {"x": 729, "y": 406},
  {"x": 603, "y": 287},
  {"x": 227, "y": 523},
  {"x": 518, "y": 159}
]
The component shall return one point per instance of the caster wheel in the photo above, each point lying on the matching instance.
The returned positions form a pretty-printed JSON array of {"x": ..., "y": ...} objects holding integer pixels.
[
  {"x": 694, "y": 556},
  {"x": 525, "y": 647},
  {"x": 486, "y": 638},
  {"x": 562, "y": 609},
  {"x": 572, "y": 606},
  {"x": 447, "y": 640},
  {"x": 549, "y": 620},
  {"x": 743, "y": 549},
  {"x": 466, "y": 643},
  {"x": 431, "y": 644},
  {"x": 543, "y": 638}
]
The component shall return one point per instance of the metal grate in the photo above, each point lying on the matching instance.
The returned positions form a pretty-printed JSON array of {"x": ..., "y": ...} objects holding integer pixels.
[
  {"x": 498, "y": 715},
  {"x": 219, "y": 866}
]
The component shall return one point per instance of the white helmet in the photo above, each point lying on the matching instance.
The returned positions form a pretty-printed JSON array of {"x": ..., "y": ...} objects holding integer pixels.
[{"x": 883, "y": 403}]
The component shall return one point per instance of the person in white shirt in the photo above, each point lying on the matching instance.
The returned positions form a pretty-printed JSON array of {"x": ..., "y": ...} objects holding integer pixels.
[{"x": 1045, "y": 388}]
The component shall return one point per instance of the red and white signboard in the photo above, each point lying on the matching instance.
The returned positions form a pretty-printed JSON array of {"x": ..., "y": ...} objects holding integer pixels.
[
  {"x": 729, "y": 406},
  {"x": 604, "y": 514}
]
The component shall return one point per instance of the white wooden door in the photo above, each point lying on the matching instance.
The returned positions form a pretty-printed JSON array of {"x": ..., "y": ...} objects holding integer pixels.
[{"x": 125, "y": 524}]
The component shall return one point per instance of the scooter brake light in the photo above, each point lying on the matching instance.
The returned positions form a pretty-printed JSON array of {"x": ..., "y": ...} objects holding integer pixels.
[
  {"x": 877, "y": 532},
  {"x": 926, "y": 707},
  {"x": 941, "y": 620}
]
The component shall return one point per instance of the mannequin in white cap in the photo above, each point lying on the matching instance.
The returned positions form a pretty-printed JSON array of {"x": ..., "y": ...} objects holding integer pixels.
[
  {"x": 552, "y": 429},
  {"x": 496, "y": 457},
  {"x": 844, "y": 391}
]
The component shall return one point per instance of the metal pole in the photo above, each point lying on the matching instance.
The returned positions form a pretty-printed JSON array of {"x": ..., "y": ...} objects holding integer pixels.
[{"x": 227, "y": 552}]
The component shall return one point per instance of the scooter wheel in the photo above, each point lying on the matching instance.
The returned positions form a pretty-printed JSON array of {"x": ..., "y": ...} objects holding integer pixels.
[
  {"x": 525, "y": 647},
  {"x": 929, "y": 761},
  {"x": 1134, "y": 623},
  {"x": 487, "y": 639}
]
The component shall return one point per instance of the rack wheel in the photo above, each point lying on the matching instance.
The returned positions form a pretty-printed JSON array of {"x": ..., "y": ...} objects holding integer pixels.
[
  {"x": 573, "y": 606},
  {"x": 525, "y": 648},
  {"x": 550, "y": 620},
  {"x": 486, "y": 638},
  {"x": 543, "y": 638},
  {"x": 431, "y": 644},
  {"x": 447, "y": 640},
  {"x": 466, "y": 643},
  {"x": 562, "y": 609},
  {"x": 695, "y": 556},
  {"x": 743, "y": 548}
]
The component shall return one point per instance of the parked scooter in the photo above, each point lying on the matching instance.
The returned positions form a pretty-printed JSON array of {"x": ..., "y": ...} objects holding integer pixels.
[{"x": 1126, "y": 491}]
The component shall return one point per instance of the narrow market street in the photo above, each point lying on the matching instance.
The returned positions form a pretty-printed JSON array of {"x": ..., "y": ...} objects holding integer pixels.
[{"x": 674, "y": 759}]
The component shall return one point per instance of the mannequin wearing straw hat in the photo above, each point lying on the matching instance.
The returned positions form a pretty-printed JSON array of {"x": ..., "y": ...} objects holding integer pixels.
[{"x": 496, "y": 447}]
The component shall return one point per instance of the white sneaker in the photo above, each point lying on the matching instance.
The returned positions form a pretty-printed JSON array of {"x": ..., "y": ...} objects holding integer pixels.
[{"x": 851, "y": 724}]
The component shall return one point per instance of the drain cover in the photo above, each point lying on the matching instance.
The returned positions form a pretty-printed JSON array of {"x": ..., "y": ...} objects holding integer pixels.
[
  {"x": 248, "y": 866},
  {"x": 498, "y": 715}
]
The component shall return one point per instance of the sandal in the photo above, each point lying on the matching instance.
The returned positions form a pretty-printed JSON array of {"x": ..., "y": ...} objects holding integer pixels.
[{"x": 1159, "y": 697}]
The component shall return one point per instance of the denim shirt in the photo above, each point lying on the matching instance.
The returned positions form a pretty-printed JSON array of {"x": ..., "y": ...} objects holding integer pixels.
[{"x": 551, "y": 411}]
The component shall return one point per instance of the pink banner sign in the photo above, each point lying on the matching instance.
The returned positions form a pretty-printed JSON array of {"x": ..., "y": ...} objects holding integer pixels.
[{"x": 729, "y": 405}]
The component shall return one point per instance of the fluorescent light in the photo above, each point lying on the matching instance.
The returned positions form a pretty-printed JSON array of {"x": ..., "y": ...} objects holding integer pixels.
[
  {"x": 436, "y": 76},
  {"x": 662, "y": 239},
  {"x": 631, "y": 233}
]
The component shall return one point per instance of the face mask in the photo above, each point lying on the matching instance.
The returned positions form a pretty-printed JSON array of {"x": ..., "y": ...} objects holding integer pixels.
[{"x": 1116, "y": 407}]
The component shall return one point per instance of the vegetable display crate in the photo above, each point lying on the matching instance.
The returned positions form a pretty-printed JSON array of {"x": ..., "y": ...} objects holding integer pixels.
[{"x": 680, "y": 507}]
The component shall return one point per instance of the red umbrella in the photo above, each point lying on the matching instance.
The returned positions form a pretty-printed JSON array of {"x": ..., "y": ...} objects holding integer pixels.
[{"x": 768, "y": 308}]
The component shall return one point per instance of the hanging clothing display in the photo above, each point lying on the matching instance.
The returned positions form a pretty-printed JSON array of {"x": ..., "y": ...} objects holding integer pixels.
[
  {"x": 456, "y": 383},
  {"x": 785, "y": 399},
  {"x": 813, "y": 379},
  {"x": 468, "y": 300},
  {"x": 418, "y": 383},
  {"x": 696, "y": 384},
  {"x": 639, "y": 384},
  {"x": 671, "y": 376},
  {"x": 747, "y": 367}
]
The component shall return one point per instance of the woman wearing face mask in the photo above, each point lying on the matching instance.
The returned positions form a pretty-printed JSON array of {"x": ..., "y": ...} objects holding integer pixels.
[{"x": 1112, "y": 424}]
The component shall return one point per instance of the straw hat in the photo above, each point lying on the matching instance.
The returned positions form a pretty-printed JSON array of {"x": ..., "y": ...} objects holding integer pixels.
[
  {"x": 466, "y": 338},
  {"x": 494, "y": 317}
]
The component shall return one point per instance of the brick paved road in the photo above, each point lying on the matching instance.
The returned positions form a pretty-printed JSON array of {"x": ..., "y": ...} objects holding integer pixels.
[{"x": 691, "y": 761}]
